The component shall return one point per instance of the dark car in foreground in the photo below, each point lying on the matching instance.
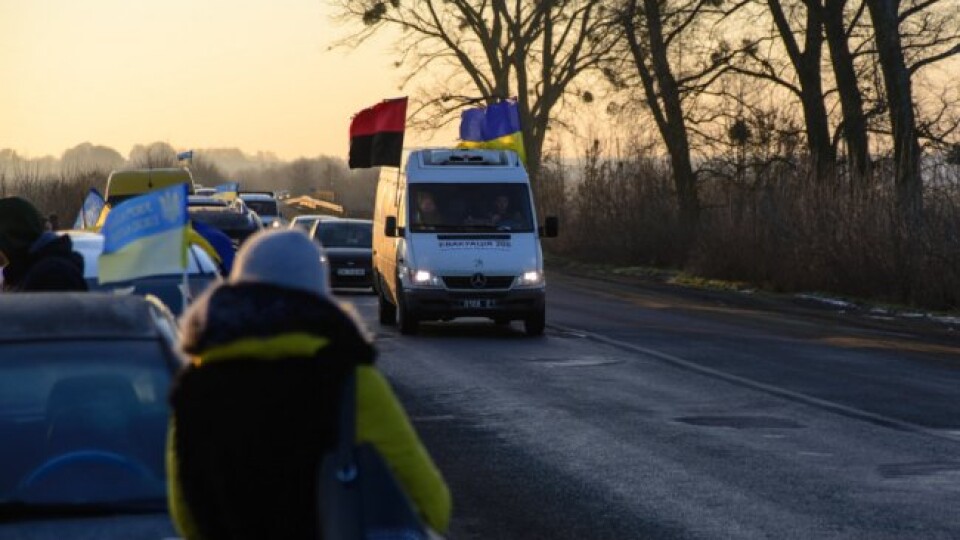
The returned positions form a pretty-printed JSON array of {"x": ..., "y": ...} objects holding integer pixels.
[
  {"x": 84, "y": 379},
  {"x": 348, "y": 247}
]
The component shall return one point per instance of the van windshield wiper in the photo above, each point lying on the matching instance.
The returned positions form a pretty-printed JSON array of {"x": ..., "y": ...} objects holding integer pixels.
[{"x": 22, "y": 510}]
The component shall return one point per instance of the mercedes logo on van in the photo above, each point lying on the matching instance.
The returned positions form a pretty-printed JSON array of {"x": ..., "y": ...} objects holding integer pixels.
[{"x": 478, "y": 281}]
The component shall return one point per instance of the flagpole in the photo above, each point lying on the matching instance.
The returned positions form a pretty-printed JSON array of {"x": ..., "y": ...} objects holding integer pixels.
[{"x": 183, "y": 291}]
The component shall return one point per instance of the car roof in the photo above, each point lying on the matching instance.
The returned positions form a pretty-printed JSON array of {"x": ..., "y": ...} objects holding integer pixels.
[
  {"x": 257, "y": 196},
  {"x": 201, "y": 200},
  {"x": 348, "y": 220},
  {"x": 67, "y": 316}
]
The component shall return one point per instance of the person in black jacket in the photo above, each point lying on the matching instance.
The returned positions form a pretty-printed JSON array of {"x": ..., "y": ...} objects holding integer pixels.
[
  {"x": 258, "y": 405},
  {"x": 33, "y": 258}
]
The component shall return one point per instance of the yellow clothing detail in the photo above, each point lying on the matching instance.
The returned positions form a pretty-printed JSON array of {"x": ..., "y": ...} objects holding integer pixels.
[
  {"x": 382, "y": 422},
  {"x": 179, "y": 513},
  {"x": 272, "y": 348}
]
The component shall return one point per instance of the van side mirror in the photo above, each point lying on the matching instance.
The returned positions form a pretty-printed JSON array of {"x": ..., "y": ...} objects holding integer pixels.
[
  {"x": 390, "y": 227},
  {"x": 551, "y": 228}
]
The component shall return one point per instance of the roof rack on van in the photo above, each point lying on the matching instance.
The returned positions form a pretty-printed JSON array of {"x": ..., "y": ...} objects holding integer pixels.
[{"x": 448, "y": 156}]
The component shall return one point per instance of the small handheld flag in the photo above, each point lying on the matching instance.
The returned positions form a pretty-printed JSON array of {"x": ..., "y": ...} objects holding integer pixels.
[
  {"x": 185, "y": 155},
  {"x": 90, "y": 210},
  {"x": 228, "y": 192},
  {"x": 145, "y": 235},
  {"x": 376, "y": 135}
]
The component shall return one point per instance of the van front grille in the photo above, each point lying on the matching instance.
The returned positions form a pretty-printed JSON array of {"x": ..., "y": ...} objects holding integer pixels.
[{"x": 478, "y": 282}]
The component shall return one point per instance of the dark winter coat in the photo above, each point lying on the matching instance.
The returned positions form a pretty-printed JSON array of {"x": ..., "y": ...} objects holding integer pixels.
[
  {"x": 50, "y": 264},
  {"x": 257, "y": 409}
]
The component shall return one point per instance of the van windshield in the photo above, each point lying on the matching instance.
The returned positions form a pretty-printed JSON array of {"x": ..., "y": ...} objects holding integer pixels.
[{"x": 470, "y": 208}]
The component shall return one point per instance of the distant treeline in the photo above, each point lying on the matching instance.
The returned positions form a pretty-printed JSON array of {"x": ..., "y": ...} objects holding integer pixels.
[{"x": 58, "y": 185}]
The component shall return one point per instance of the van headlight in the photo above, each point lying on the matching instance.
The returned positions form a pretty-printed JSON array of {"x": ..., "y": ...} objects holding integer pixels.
[
  {"x": 424, "y": 278},
  {"x": 531, "y": 278}
]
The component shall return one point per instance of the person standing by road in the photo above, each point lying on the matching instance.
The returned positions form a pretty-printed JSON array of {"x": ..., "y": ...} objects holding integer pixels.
[
  {"x": 257, "y": 407},
  {"x": 33, "y": 258}
]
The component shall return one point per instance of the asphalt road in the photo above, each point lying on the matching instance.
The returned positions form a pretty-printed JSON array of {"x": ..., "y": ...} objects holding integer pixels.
[{"x": 648, "y": 413}]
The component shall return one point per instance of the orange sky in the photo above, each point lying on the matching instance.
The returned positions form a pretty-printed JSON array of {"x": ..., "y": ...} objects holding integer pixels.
[{"x": 255, "y": 75}]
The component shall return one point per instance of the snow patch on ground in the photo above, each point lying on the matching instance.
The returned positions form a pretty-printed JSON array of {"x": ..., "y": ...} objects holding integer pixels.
[{"x": 825, "y": 300}]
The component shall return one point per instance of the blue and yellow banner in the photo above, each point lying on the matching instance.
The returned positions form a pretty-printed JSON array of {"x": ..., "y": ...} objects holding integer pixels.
[
  {"x": 494, "y": 127},
  {"x": 145, "y": 236},
  {"x": 228, "y": 192}
]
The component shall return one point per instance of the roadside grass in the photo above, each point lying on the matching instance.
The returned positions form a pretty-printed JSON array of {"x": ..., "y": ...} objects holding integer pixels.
[
  {"x": 772, "y": 229},
  {"x": 686, "y": 280}
]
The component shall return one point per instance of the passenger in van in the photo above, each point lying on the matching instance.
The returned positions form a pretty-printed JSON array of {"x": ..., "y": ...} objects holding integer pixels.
[
  {"x": 427, "y": 212},
  {"x": 503, "y": 215}
]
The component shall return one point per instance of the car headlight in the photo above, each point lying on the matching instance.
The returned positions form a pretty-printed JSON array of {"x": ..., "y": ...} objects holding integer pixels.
[{"x": 532, "y": 278}]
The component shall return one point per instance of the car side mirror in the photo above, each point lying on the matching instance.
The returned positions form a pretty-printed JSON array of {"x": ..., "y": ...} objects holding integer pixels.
[
  {"x": 551, "y": 228},
  {"x": 390, "y": 227}
]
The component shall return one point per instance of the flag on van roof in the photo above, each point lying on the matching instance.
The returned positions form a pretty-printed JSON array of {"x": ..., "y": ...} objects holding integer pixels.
[
  {"x": 496, "y": 126},
  {"x": 376, "y": 135},
  {"x": 145, "y": 235}
]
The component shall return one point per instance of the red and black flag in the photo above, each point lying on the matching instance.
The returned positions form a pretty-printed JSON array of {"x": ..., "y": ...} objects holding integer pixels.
[{"x": 376, "y": 135}]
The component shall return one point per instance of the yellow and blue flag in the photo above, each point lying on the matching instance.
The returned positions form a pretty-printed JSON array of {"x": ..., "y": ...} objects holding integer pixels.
[
  {"x": 495, "y": 127},
  {"x": 145, "y": 236},
  {"x": 90, "y": 210},
  {"x": 228, "y": 192}
]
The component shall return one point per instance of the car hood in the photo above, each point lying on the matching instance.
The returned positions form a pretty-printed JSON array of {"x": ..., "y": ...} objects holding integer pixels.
[
  {"x": 347, "y": 253},
  {"x": 133, "y": 527}
]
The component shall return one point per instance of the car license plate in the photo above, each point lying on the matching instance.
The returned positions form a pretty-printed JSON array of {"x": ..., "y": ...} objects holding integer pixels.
[
  {"x": 478, "y": 304},
  {"x": 351, "y": 271}
]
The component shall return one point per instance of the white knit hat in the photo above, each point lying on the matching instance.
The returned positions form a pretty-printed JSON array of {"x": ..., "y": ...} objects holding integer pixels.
[{"x": 286, "y": 258}]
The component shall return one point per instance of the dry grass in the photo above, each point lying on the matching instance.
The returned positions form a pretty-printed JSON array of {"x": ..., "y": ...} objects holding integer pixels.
[{"x": 777, "y": 230}]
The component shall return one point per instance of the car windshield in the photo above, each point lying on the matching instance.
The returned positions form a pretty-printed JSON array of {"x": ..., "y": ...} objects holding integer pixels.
[
  {"x": 264, "y": 208},
  {"x": 337, "y": 234},
  {"x": 470, "y": 208},
  {"x": 305, "y": 223},
  {"x": 83, "y": 422}
]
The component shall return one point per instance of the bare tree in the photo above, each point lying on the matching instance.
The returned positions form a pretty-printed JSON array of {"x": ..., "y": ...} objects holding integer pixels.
[
  {"x": 486, "y": 50},
  {"x": 896, "y": 75},
  {"x": 153, "y": 156},
  {"x": 653, "y": 31},
  {"x": 854, "y": 124},
  {"x": 790, "y": 19}
]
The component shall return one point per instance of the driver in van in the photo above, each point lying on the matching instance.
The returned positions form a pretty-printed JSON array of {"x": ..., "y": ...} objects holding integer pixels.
[{"x": 427, "y": 213}]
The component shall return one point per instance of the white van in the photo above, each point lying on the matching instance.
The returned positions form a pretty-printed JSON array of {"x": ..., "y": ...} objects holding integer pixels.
[{"x": 455, "y": 234}]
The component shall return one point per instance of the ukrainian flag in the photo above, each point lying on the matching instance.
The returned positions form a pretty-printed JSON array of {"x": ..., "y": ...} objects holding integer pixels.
[
  {"x": 495, "y": 127},
  {"x": 90, "y": 210},
  {"x": 228, "y": 192},
  {"x": 145, "y": 236}
]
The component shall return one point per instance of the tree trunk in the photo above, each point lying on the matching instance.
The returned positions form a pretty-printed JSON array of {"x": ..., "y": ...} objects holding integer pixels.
[
  {"x": 675, "y": 135},
  {"x": 807, "y": 66},
  {"x": 896, "y": 78},
  {"x": 851, "y": 99}
]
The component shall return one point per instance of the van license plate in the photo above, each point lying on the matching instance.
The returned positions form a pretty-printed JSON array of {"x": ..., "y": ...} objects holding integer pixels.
[
  {"x": 351, "y": 271},
  {"x": 478, "y": 304}
]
